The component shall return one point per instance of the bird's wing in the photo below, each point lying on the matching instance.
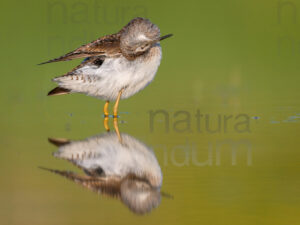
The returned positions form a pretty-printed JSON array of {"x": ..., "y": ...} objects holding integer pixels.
[
  {"x": 95, "y": 61},
  {"x": 107, "y": 46},
  {"x": 103, "y": 185},
  {"x": 91, "y": 62}
]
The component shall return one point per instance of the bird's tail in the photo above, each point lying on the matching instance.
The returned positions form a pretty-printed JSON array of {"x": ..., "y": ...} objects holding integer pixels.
[
  {"x": 58, "y": 141},
  {"x": 58, "y": 91}
]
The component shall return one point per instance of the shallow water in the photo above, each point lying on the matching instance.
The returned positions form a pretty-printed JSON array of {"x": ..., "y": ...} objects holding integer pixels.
[{"x": 222, "y": 115}]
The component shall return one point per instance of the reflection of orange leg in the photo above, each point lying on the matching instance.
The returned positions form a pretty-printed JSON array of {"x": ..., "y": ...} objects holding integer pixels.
[
  {"x": 117, "y": 103},
  {"x": 106, "y": 123},
  {"x": 117, "y": 129},
  {"x": 105, "y": 109}
]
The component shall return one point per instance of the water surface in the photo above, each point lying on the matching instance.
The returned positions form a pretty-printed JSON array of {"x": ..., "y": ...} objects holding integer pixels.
[{"x": 222, "y": 115}]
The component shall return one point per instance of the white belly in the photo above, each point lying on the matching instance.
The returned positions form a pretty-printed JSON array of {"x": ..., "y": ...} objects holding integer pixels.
[
  {"x": 115, "y": 158},
  {"x": 115, "y": 74}
]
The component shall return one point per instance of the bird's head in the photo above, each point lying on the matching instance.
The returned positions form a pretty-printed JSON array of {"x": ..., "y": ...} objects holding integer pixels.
[
  {"x": 139, "y": 36},
  {"x": 139, "y": 196}
]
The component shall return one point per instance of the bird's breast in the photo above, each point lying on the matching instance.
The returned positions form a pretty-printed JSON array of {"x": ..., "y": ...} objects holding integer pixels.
[{"x": 142, "y": 71}]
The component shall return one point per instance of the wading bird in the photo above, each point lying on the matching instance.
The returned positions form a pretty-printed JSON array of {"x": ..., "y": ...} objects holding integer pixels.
[
  {"x": 127, "y": 170},
  {"x": 115, "y": 66}
]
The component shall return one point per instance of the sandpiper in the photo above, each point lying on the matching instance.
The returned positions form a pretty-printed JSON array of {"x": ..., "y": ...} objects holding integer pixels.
[
  {"x": 115, "y": 66},
  {"x": 127, "y": 170}
]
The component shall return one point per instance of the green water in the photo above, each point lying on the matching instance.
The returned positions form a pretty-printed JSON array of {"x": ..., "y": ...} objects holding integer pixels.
[{"x": 236, "y": 63}]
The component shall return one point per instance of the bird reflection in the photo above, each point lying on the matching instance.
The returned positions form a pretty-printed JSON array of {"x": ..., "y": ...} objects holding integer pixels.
[{"x": 114, "y": 164}]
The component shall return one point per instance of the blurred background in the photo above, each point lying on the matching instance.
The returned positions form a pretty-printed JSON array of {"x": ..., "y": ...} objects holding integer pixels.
[{"x": 228, "y": 88}]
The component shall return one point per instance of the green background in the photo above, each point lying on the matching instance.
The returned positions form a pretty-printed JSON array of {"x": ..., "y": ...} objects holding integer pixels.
[{"x": 226, "y": 58}]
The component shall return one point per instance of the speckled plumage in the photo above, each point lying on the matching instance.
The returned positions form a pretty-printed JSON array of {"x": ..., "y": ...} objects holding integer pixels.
[
  {"x": 115, "y": 158},
  {"x": 127, "y": 61},
  {"x": 126, "y": 170},
  {"x": 105, "y": 81}
]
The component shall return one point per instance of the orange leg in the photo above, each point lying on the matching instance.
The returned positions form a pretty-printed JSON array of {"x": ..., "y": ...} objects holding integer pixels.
[
  {"x": 117, "y": 129},
  {"x": 105, "y": 122},
  {"x": 105, "y": 109},
  {"x": 117, "y": 103}
]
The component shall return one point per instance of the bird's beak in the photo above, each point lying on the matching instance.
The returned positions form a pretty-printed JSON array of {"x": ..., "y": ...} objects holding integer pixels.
[{"x": 165, "y": 37}]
